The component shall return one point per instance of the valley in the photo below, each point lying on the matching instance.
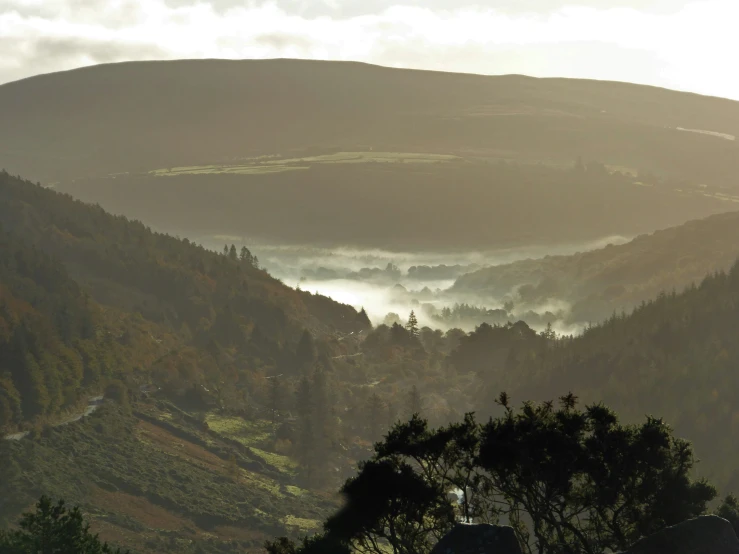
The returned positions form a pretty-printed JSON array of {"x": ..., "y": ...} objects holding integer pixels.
[{"x": 227, "y": 288}]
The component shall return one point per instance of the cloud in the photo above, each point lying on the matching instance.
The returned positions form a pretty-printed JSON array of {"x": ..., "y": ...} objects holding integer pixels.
[{"x": 677, "y": 43}]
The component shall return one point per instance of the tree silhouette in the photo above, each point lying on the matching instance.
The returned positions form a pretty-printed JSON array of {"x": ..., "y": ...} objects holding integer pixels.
[
  {"x": 53, "y": 529},
  {"x": 568, "y": 480},
  {"x": 412, "y": 325}
]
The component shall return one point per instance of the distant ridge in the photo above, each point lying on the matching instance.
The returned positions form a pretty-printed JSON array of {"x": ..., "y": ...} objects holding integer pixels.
[{"x": 134, "y": 116}]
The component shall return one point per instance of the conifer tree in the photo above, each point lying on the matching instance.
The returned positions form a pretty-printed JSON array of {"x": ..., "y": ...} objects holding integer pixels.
[
  {"x": 412, "y": 325},
  {"x": 363, "y": 318}
]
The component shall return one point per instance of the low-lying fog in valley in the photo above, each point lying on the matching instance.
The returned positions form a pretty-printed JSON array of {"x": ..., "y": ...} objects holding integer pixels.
[{"x": 388, "y": 285}]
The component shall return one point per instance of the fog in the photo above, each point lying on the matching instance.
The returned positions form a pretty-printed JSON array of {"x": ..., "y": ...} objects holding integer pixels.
[{"x": 388, "y": 285}]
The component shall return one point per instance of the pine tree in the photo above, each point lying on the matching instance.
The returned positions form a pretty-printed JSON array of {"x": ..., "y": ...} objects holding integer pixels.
[
  {"x": 232, "y": 253},
  {"x": 248, "y": 258},
  {"x": 363, "y": 318},
  {"x": 225, "y": 250},
  {"x": 412, "y": 325}
]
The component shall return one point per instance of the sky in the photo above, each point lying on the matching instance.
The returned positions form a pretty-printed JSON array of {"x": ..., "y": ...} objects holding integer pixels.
[{"x": 682, "y": 44}]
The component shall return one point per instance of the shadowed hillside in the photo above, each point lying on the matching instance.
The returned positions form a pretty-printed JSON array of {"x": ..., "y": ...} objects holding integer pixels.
[
  {"x": 400, "y": 202},
  {"x": 86, "y": 297},
  {"x": 615, "y": 278},
  {"x": 147, "y": 115}
]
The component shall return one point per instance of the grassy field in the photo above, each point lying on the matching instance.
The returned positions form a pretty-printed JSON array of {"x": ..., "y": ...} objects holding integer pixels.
[
  {"x": 264, "y": 165},
  {"x": 248, "y": 433}
]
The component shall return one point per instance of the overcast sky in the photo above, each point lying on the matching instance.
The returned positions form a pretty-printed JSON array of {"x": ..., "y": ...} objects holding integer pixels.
[{"x": 683, "y": 44}]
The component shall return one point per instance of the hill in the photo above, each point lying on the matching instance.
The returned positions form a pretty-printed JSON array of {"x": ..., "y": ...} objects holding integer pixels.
[
  {"x": 157, "y": 480},
  {"x": 400, "y": 202},
  {"x": 148, "y": 115},
  {"x": 673, "y": 357},
  {"x": 287, "y": 151},
  {"x": 80, "y": 274},
  {"x": 597, "y": 283},
  {"x": 178, "y": 343}
]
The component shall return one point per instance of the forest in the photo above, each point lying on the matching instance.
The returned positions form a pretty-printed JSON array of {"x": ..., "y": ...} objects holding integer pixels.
[{"x": 86, "y": 293}]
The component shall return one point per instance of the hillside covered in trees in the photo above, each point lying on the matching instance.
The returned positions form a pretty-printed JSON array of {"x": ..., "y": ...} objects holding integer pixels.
[
  {"x": 597, "y": 283},
  {"x": 87, "y": 296},
  {"x": 672, "y": 357}
]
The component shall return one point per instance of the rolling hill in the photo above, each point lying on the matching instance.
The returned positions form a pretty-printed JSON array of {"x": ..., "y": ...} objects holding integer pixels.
[
  {"x": 148, "y": 115},
  {"x": 410, "y": 204},
  {"x": 91, "y": 303},
  {"x": 618, "y": 277},
  {"x": 111, "y": 299},
  {"x": 288, "y": 151}
]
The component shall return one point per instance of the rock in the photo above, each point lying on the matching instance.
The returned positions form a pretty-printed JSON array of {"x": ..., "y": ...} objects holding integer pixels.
[
  {"x": 702, "y": 535},
  {"x": 478, "y": 539}
]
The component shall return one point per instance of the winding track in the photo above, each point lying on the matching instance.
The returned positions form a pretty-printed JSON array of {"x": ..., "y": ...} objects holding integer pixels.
[{"x": 93, "y": 403}]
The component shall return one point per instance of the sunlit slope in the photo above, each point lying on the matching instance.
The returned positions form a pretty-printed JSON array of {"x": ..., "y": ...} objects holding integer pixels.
[{"x": 150, "y": 115}]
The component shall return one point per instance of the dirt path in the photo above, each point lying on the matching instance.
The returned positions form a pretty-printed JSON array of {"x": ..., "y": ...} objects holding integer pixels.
[{"x": 93, "y": 403}]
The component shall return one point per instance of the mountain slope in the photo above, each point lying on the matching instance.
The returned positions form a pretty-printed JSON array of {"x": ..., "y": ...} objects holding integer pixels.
[
  {"x": 615, "y": 278},
  {"x": 126, "y": 301},
  {"x": 401, "y": 203},
  {"x": 125, "y": 264},
  {"x": 147, "y": 115},
  {"x": 672, "y": 357},
  {"x": 90, "y": 302}
]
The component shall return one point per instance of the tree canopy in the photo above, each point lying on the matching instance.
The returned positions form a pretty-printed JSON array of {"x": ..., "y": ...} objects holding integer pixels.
[
  {"x": 53, "y": 529},
  {"x": 569, "y": 480}
]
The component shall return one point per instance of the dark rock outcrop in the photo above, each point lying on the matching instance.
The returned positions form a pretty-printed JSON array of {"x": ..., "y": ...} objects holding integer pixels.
[
  {"x": 702, "y": 535},
  {"x": 478, "y": 539}
]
